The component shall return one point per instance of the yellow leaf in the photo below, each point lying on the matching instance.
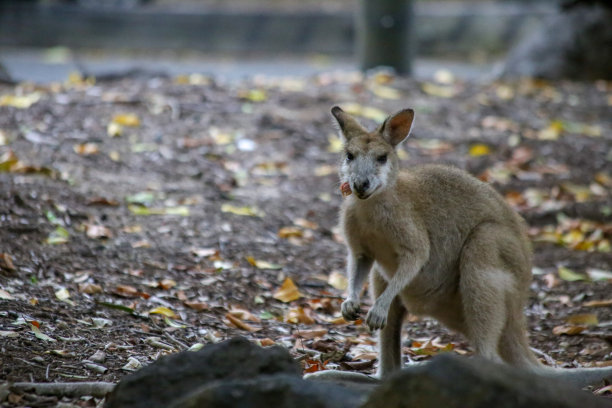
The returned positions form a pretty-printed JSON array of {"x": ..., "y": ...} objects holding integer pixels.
[
  {"x": 114, "y": 129},
  {"x": 262, "y": 264},
  {"x": 8, "y": 160},
  {"x": 298, "y": 315},
  {"x": 287, "y": 292},
  {"x": 245, "y": 210},
  {"x": 479, "y": 150},
  {"x": 569, "y": 330},
  {"x": 385, "y": 92},
  {"x": 440, "y": 91},
  {"x": 164, "y": 311},
  {"x": 504, "y": 92},
  {"x": 569, "y": 275},
  {"x": 20, "y": 101},
  {"x": 552, "y": 132},
  {"x": 365, "y": 111},
  {"x": 587, "y": 319},
  {"x": 336, "y": 145},
  {"x": 86, "y": 149},
  {"x": 337, "y": 280},
  {"x": 290, "y": 232},
  {"x": 253, "y": 95},
  {"x": 126, "y": 119}
]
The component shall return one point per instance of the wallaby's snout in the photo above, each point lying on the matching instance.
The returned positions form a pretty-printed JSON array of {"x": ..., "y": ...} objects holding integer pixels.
[{"x": 361, "y": 188}]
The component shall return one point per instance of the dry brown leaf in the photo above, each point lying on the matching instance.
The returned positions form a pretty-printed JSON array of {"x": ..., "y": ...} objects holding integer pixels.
[
  {"x": 198, "y": 306},
  {"x": 290, "y": 232},
  {"x": 126, "y": 291},
  {"x": 569, "y": 330},
  {"x": 287, "y": 292},
  {"x": 6, "y": 262},
  {"x": 166, "y": 284},
  {"x": 310, "y": 334},
  {"x": 239, "y": 323},
  {"x": 299, "y": 315},
  {"x": 90, "y": 288},
  {"x": 267, "y": 342},
  {"x": 243, "y": 314},
  {"x": 598, "y": 303}
]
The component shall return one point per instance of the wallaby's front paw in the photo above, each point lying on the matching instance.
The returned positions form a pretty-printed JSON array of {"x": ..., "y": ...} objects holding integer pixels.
[
  {"x": 376, "y": 318},
  {"x": 350, "y": 309}
]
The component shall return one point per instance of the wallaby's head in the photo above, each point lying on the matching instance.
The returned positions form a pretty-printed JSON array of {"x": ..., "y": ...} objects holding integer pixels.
[{"x": 370, "y": 163}]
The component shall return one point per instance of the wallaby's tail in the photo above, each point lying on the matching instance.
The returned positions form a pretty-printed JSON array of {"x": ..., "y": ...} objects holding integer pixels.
[{"x": 579, "y": 377}]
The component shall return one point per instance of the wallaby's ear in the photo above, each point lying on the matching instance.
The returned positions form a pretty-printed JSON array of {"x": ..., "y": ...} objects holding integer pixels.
[
  {"x": 348, "y": 125},
  {"x": 397, "y": 126}
]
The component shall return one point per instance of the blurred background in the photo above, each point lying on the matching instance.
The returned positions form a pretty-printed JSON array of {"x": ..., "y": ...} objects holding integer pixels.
[{"x": 46, "y": 40}]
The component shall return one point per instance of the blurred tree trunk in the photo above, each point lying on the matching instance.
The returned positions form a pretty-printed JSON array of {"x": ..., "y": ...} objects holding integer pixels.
[
  {"x": 385, "y": 34},
  {"x": 576, "y": 44}
]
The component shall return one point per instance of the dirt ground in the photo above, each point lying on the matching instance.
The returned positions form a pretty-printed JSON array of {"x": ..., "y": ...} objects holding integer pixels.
[{"x": 142, "y": 216}]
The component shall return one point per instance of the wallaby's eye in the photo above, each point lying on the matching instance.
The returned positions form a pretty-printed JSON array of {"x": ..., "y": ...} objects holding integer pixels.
[
  {"x": 349, "y": 156},
  {"x": 382, "y": 159}
]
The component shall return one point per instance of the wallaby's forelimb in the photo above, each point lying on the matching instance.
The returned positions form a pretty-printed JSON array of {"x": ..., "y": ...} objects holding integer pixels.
[{"x": 358, "y": 271}]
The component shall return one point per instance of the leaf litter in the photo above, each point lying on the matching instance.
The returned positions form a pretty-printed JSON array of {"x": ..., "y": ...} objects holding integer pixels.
[{"x": 257, "y": 253}]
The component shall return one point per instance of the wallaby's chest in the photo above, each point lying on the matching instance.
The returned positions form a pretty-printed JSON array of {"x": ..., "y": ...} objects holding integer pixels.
[{"x": 373, "y": 232}]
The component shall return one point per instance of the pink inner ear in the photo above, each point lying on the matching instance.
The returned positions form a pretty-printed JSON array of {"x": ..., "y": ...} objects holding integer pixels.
[{"x": 399, "y": 126}]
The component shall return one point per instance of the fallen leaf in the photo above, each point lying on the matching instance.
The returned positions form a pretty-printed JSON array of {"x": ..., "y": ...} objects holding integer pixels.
[
  {"x": 59, "y": 235},
  {"x": 139, "y": 210},
  {"x": 287, "y": 292},
  {"x": 164, "y": 311},
  {"x": 262, "y": 264},
  {"x": 97, "y": 231},
  {"x": 552, "y": 132},
  {"x": 479, "y": 150},
  {"x": 367, "y": 112},
  {"x": 599, "y": 275},
  {"x": 253, "y": 95},
  {"x": 6, "y": 262},
  {"x": 299, "y": 315},
  {"x": 90, "y": 288},
  {"x": 586, "y": 319},
  {"x": 86, "y": 149},
  {"x": 311, "y": 334},
  {"x": 5, "y": 295},
  {"x": 240, "y": 324},
  {"x": 39, "y": 334},
  {"x": 167, "y": 284},
  {"x": 20, "y": 101},
  {"x": 598, "y": 303},
  {"x": 290, "y": 232},
  {"x": 569, "y": 275},
  {"x": 312, "y": 366},
  {"x": 337, "y": 280},
  {"x": 102, "y": 201},
  {"x": 63, "y": 295},
  {"x": 199, "y": 306},
  {"x": 385, "y": 92},
  {"x": 267, "y": 342},
  {"x": 8, "y": 160},
  {"x": 335, "y": 143},
  {"x": 126, "y": 119},
  {"x": 569, "y": 330},
  {"x": 126, "y": 291},
  {"x": 132, "y": 365},
  {"x": 244, "y": 210},
  {"x": 441, "y": 91}
]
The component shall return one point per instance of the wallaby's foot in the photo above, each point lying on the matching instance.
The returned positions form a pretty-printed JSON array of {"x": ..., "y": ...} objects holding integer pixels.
[
  {"x": 377, "y": 317},
  {"x": 350, "y": 309}
]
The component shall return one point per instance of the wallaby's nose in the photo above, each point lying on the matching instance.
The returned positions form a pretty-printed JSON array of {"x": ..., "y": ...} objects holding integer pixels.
[{"x": 362, "y": 186}]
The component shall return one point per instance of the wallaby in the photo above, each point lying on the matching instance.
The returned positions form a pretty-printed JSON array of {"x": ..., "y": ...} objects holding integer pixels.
[{"x": 437, "y": 242}]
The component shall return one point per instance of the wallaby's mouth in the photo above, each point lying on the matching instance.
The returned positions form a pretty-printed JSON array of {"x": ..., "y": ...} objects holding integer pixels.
[{"x": 366, "y": 194}]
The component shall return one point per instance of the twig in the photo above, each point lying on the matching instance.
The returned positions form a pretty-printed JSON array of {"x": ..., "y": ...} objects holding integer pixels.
[
  {"x": 71, "y": 389},
  {"x": 551, "y": 361},
  {"x": 175, "y": 341}
]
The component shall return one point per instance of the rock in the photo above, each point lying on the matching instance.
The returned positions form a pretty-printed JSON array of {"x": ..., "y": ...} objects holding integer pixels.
[
  {"x": 174, "y": 376},
  {"x": 272, "y": 391},
  {"x": 451, "y": 381},
  {"x": 573, "y": 45}
]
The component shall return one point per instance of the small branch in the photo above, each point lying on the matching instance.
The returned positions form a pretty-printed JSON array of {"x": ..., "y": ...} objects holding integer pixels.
[{"x": 72, "y": 389}]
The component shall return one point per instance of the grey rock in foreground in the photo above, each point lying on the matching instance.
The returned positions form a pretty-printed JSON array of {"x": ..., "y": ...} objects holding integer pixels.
[
  {"x": 277, "y": 391},
  {"x": 172, "y": 377},
  {"x": 573, "y": 45},
  {"x": 233, "y": 373},
  {"x": 451, "y": 381}
]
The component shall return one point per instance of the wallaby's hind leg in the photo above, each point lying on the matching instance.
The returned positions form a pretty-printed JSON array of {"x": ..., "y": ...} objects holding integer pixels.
[
  {"x": 489, "y": 275},
  {"x": 390, "y": 336}
]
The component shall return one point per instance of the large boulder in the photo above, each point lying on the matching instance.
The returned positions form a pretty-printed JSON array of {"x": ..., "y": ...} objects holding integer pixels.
[
  {"x": 233, "y": 373},
  {"x": 451, "y": 381},
  {"x": 174, "y": 376}
]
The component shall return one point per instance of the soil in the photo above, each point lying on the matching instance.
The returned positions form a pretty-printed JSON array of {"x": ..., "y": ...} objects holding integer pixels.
[{"x": 263, "y": 147}]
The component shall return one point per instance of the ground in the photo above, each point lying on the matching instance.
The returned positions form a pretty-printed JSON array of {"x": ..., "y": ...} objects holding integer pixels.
[{"x": 142, "y": 216}]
